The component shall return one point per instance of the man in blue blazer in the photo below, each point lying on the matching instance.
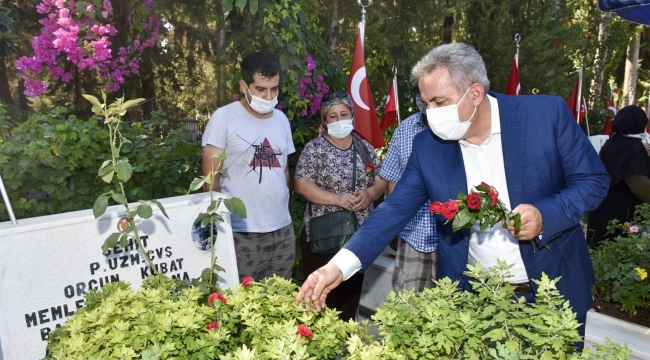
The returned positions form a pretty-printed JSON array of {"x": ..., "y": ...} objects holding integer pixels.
[{"x": 529, "y": 148}]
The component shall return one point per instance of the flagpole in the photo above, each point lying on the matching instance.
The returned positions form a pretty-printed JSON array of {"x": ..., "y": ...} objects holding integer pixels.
[
  {"x": 517, "y": 39},
  {"x": 579, "y": 98},
  {"x": 399, "y": 120}
]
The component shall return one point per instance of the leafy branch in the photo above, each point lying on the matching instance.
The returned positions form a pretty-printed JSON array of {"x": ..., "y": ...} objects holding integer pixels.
[
  {"x": 234, "y": 205},
  {"x": 116, "y": 172}
]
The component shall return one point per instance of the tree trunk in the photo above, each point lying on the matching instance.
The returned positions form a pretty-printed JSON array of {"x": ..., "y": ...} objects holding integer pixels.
[
  {"x": 5, "y": 91},
  {"x": 22, "y": 98},
  {"x": 148, "y": 85},
  {"x": 600, "y": 59},
  {"x": 221, "y": 56},
  {"x": 449, "y": 23},
  {"x": 333, "y": 28},
  {"x": 631, "y": 70}
]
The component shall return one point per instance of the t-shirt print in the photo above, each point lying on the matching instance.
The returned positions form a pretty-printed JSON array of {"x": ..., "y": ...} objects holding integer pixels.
[{"x": 263, "y": 157}]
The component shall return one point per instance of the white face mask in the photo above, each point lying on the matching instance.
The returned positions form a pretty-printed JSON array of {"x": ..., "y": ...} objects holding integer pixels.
[
  {"x": 260, "y": 105},
  {"x": 446, "y": 124},
  {"x": 340, "y": 129}
]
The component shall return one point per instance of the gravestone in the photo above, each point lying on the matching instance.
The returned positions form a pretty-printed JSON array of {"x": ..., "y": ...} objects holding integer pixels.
[{"x": 48, "y": 263}]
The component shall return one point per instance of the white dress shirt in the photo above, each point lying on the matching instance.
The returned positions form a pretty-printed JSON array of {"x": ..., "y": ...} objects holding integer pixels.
[{"x": 483, "y": 163}]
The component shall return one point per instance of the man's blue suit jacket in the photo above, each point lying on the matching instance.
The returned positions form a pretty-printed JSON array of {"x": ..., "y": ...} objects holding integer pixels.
[{"x": 549, "y": 163}]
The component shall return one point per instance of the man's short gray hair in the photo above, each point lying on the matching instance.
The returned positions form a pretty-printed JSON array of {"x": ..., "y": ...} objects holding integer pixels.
[{"x": 464, "y": 63}]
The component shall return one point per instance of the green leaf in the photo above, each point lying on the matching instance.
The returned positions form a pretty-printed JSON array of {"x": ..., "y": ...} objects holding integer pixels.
[
  {"x": 144, "y": 211},
  {"x": 213, "y": 207},
  {"x": 131, "y": 103},
  {"x": 240, "y": 4},
  {"x": 200, "y": 217},
  {"x": 253, "y": 6},
  {"x": 123, "y": 170},
  {"x": 196, "y": 184},
  {"x": 124, "y": 241},
  {"x": 100, "y": 205},
  {"x": 116, "y": 153},
  {"x": 93, "y": 100},
  {"x": 111, "y": 240},
  {"x": 205, "y": 221},
  {"x": 236, "y": 207},
  {"x": 119, "y": 198},
  {"x": 227, "y": 6},
  {"x": 107, "y": 175},
  {"x": 160, "y": 206}
]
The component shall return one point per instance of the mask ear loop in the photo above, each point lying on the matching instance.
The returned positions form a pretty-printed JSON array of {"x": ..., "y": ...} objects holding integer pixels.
[{"x": 461, "y": 99}]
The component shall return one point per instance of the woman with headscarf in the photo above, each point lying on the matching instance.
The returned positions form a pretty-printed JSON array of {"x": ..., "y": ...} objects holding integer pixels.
[
  {"x": 324, "y": 177},
  {"x": 628, "y": 165}
]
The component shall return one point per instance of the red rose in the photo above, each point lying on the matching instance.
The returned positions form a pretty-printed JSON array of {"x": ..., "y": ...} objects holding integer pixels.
[
  {"x": 247, "y": 282},
  {"x": 494, "y": 195},
  {"x": 474, "y": 201},
  {"x": 435, "y": 207},
  {"x": 214, "y": 297},
  {"x": 369, "y": 168},
  {"x": 449, "y": 209},
  {"x": 486, "y": 185},
  {"x": 303, "y": 331},
  {"x": 212, "y": 326}
]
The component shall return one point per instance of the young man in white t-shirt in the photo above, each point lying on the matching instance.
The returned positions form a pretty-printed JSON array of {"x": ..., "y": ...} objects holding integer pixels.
[{"x": 257, "y": 140}]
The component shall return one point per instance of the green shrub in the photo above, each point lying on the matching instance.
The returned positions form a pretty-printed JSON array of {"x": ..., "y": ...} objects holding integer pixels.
[
  {"x": 258, "y": 322},
  {"x": 622, "y": 263},
  {"x": 445, "y": 323},
  {"x": 49, "y": 163}
]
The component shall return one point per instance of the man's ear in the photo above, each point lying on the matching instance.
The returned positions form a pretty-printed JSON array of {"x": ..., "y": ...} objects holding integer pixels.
[
  {"x": 242, "y": 86},
  {"x": 476, "y": 93}
]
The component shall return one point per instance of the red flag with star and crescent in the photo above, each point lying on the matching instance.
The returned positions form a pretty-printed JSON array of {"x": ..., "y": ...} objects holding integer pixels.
[
  {"x": 609, "y": 120},
  {"x": 573, "y": 100},
  {"x": 390, "y": 110},
  {"x": 514, "y": 85},
  {"x": 365, "y": 117}
]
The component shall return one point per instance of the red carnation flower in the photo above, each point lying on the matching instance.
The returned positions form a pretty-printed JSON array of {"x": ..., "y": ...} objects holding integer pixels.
[
  {"x": 216, "y": 296},
  {"x": 369, "y": 168},
  {"x": 247, "y": 282},
  {"x": 303, "y": 331},
  {"x": 474, "y": 201},
  {"x": 212, "y": 326},
  {"x": 449, "y": 209},
  {"x": 435, "y": 207}
]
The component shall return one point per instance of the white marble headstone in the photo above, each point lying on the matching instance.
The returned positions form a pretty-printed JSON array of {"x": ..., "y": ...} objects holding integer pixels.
[{"x": 48, "y": 263}]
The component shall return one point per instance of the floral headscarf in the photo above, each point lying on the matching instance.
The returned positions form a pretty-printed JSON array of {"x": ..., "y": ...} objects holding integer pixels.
[{"x": 334, "y": 98}]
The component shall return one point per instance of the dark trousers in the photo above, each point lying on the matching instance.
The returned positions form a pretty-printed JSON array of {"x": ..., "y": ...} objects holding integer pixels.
[{"x": 345, "y": 298}]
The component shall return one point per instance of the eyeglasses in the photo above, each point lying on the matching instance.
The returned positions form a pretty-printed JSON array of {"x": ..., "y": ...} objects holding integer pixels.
[{"x": 338, "y": 94}]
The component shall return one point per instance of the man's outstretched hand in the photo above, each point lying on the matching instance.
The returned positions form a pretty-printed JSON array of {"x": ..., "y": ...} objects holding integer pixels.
[{"x": 318, "y": 285}]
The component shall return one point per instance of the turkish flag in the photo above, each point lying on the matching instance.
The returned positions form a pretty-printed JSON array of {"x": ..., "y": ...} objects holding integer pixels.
[
  {"x": 573, "y": 99},
  {"x": 390, "y": 110},
  {"x": 609, "y": 120},
  {"x": 514, "y": 85},
  {"x": 365, "y": 117}
]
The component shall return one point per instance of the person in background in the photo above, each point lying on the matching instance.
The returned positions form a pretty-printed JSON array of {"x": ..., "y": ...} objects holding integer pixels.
[
  {"x": 416, "y": 260},
  {"x": 324, "y": 177},
  {"x": 257, "y": 139},
  {"x": 626, "y": 160},
  {"x": 529, "y": 148}
]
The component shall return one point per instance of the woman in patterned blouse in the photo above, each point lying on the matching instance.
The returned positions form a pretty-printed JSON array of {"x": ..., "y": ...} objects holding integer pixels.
[{"x": 324, "y": 177}]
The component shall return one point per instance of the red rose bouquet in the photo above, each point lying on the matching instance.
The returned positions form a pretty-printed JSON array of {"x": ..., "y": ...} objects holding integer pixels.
[{"x": 482, "y": 205}]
